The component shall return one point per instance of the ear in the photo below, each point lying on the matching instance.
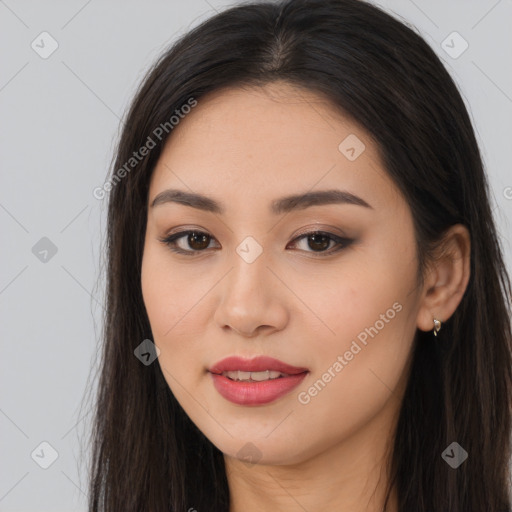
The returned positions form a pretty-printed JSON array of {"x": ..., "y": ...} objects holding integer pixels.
[{"x": 446, "y": 279}]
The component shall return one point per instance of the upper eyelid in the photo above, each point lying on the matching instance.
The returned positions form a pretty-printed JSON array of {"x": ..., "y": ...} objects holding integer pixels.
[
  {"x": 339, "y": 239},
  {"x": 315, "y": 228},
  {"x": 300, "y": 235}
]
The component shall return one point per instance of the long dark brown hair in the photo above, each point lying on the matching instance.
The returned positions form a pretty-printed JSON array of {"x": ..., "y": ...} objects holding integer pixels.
[{"x": 146, "y": 453}]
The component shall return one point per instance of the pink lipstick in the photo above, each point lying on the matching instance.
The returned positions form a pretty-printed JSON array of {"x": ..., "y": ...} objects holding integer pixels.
[{"x": 255, "y": 381}]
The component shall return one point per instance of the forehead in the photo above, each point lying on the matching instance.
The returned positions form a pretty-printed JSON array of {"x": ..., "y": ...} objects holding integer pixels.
[
  {"x": 268, "y": 141},
  {"x": 277, "y": 112}
]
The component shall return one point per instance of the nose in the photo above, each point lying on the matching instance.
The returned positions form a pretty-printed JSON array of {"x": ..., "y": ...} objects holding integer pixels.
[{"x": 253, "y": 300}]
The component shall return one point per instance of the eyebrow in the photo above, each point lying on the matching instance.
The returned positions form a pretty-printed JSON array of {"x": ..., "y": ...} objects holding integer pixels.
[{"x": 278, "y": 206}]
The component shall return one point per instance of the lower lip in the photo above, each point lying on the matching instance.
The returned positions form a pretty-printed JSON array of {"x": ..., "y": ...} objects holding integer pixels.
[{"x": 255, "y": 393}]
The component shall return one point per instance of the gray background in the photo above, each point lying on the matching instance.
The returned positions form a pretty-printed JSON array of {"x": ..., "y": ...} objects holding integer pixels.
[{"x": 59, "y": 122}]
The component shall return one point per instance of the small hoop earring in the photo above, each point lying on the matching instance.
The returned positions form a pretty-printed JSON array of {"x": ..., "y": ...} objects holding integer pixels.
[{"x": 437, "y": 326}]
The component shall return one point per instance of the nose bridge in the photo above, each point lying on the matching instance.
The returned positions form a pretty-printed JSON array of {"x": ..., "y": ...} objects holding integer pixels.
[
  {"x": 248, "y": 297},
  {"x": 250, "y": 270}
]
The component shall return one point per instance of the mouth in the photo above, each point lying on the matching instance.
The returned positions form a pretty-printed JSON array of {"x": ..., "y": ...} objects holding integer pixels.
[
  {"x": 256, "y": 381},
  {"x": 255, "y": 366},
  {"x": 240, "y": 376}
]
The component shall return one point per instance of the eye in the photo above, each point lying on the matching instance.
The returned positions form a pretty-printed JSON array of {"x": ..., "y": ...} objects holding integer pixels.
[
  {"x": 319, "y": 241},
  {"x": 199, "y": 241}
]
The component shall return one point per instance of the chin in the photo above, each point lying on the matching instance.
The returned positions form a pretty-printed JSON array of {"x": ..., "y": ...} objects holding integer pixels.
[{"x": 278, "y": 450}]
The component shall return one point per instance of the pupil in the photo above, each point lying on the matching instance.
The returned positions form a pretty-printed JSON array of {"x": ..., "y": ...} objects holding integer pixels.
[
  {"x": 319, "y": 241},
  {"x": 200, "y": 241},
  {"x": 192, "y": 240}
]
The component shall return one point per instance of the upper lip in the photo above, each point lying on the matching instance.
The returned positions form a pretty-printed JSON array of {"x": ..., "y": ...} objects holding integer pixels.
[{"x": 256, "y": 364}]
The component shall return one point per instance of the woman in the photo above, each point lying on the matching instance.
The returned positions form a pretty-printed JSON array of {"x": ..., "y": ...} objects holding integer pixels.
[{"x": 308, "y": 307}]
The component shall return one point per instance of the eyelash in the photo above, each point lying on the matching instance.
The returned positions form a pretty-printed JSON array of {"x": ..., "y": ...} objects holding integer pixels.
[{"x": 171, "y": 240}]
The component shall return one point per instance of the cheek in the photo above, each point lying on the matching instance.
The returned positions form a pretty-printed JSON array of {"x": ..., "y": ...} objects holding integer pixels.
[
  {"x": 359, "y": 369},
  {"x": 364, "y": 339},
  {"x": 173, "y": 302},
  {"x": 368, "y": 339},
  {"x": 168, "y": 294},
  {"x": 164, "y": 299}
]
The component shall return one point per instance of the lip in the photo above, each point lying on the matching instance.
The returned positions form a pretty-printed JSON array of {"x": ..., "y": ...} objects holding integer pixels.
[
  {"x": 256, "y": 364},
  {"x": 255, "y": 393}
]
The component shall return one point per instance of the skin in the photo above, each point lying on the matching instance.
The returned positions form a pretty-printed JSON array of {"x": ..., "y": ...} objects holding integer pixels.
[{"x": 245, "y": 147}]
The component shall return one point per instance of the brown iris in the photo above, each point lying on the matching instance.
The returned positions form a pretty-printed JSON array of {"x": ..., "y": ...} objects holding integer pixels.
[
  {"x": 319, "y": 241},
  {"x": 198, "y": 241}
]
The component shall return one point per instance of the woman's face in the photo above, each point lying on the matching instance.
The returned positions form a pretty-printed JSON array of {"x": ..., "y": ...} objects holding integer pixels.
[{"x": 340, "y": 306}]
